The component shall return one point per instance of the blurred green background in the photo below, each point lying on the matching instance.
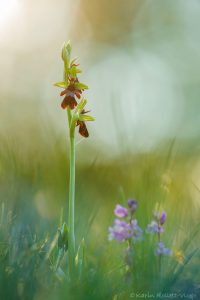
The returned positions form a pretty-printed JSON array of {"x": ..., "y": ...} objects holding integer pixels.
[
  {"x": 140, "y": 59},
  {"x": 141, "y": 62}
]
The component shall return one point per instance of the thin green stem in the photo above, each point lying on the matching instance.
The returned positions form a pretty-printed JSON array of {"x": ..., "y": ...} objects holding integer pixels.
[
  {"x": 71, "y": 249},
  {"x": 71, "y": 205},
  {"x": 69, "y": 116}
]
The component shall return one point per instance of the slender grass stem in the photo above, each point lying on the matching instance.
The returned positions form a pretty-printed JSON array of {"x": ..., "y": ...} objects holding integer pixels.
[{"x": 159, "y": 261}]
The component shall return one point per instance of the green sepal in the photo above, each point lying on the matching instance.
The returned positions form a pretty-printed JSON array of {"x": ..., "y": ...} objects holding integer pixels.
[
  {"x": 85, "y": 118},
  {"x": 80, "y": 106},
  {"x": 73, "y": 71},
  {"x": 61, "y": 84}
]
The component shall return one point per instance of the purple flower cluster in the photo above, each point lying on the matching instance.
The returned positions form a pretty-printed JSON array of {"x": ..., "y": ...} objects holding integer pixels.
[
  {"x": 125, "y": 227},
  {"x": 120, "y": 231},
  {"x": 120, "y": 211},
  {"x": 153, "y": 227},
  {"x": 156, "y": 226},
  {"x": 162, "y": 250},
  {"x": 128, "y": 228}
]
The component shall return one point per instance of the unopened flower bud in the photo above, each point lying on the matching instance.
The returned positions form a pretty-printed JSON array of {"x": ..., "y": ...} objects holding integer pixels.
[{"x": 132, "y": 205}]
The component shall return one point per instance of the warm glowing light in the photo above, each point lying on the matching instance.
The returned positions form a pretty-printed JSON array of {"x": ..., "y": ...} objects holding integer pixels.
[{"x": 8, "y": 8}]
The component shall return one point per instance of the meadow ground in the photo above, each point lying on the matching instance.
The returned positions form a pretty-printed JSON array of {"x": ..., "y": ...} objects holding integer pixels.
[{"x": 33, "y": 183}]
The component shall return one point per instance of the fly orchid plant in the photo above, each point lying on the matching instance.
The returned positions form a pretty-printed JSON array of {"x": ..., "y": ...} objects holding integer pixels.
[{"x": 74, "y": 104}]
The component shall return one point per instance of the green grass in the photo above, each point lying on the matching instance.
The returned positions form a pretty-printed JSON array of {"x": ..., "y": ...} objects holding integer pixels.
[{"x": 33, "y": 189}]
